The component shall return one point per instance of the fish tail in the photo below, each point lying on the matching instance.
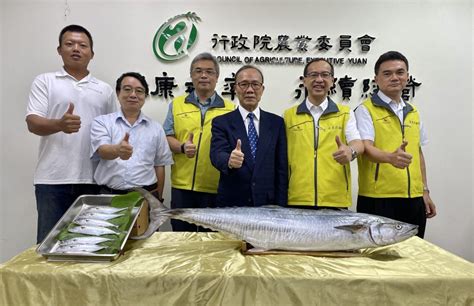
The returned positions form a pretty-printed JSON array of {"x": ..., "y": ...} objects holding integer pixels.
[{"x": 158, "y": 214}]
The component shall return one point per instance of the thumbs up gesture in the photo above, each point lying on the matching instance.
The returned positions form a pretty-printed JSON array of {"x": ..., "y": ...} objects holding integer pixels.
[
  {"x": 399, "y": 158},
  {"x": 189, "y": 147},
  {"x": 70, "y": 123},
  {"x": 236, "y": 158},
  {"x": 125, "y": 150},
  {"x": 343, "y": 155}
]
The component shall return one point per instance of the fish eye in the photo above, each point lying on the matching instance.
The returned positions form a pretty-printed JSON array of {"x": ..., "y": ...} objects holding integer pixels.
[{"x": 398, "y": 226}]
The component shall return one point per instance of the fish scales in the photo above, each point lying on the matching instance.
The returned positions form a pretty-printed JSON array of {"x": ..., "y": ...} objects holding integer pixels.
[{"x": 278, "y": 228}]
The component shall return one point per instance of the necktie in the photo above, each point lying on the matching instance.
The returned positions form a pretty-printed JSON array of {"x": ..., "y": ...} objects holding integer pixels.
[{"x": 253, "y": 137}]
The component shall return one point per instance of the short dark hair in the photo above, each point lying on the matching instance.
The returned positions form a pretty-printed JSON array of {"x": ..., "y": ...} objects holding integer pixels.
[
  {"x": 76, "y": 29},
  {"x": 135, "y": 75},
  {"x": 245, "y": 67},
  {"x": 205, "y": 56},
  {"x": 319, "y": 59},
  {"x": 390, "y": 56}
]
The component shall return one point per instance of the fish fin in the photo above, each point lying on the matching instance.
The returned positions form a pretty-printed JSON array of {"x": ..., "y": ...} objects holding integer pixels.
[
  {"x": 152, "y": 201},
  {"x": 353, "y": 228},
  {"x": 256, "y": 250}
]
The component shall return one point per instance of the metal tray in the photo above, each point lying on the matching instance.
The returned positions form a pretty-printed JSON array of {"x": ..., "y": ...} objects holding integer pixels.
[{"x": 50, "y": 242}]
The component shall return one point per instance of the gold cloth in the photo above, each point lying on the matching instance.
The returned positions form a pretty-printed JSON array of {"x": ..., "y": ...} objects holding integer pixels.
[{"x": 172, "y": 268}]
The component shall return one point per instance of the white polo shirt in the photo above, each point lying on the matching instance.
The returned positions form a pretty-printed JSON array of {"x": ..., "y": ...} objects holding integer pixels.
[{"x": 64, "y": 158}]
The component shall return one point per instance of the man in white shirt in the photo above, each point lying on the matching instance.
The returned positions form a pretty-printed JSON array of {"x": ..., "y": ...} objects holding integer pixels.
[
  {"x": 132, "y": 147},
  {"x": 61, "y": 108},
  {"x": 392, "y": 173}
]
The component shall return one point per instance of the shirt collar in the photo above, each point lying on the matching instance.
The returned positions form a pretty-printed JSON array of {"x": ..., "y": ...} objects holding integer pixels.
[
  {"x": 86, "y": 79},
  {"x": 244, "y": 113},
  {"x": 141, "y": 118},
  {"x": 322, "y": 107},
  {"x": 209, "y": 100},
  {"x": 389, "y": 101}
]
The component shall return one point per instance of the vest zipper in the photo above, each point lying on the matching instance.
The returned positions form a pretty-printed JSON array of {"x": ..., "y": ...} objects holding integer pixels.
[
  {"x": 347, "y": 179},
  {"x": 316, "y": 141},
  {"x": 377, "y": 172},
  {"x": 402, "y": 126},
  {"x": 197, "y": 150}
]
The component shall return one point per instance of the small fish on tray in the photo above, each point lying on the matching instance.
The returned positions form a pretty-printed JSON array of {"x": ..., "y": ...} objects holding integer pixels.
[
  {"x": 84, "y": 240},
  {"x": 94, "y": 222},
  {"x": 92, "y": 230},
  {"x": 102, "y": 209},
  {"x": 98, "y": 216},
  {"x": 78, "y": 248},
  {"x": 95, "y": 228}
]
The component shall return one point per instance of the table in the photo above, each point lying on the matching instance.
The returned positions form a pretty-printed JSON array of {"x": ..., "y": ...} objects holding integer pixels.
[{"x": 177, "y": 268}]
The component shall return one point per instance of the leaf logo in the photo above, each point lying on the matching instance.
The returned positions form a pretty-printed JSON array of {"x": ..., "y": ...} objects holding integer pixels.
[{"x": 175, "y": 37}]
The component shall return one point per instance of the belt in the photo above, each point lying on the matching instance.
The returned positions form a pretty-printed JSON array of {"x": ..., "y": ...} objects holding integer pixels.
[{"x": 106, "y": 189}]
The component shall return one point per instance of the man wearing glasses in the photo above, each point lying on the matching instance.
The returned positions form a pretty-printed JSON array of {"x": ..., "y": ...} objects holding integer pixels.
[
  {"x": 322, "y": 141},
  {"x": 248, "y": 147},
  {"x": 131, "y": 147},
  {"x": 61, "y": 108},
  {"x": 392, "y": 172},
  {"x": 188, "y": 130}
]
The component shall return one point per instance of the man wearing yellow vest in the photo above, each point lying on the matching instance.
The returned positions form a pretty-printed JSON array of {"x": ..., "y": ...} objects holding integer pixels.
[
  {"x": 188, "y": 129},
  {"x": 392, "y": 173},
  {"x": 322, "y": 141}
]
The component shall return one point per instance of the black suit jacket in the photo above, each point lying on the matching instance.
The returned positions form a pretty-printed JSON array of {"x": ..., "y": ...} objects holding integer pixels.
[{"x": 258, "y": 182}]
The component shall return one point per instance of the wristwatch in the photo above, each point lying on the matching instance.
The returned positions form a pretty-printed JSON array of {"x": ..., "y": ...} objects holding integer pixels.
[
  {"x": 354, "y": 153},
  {"x": 182, "y": 147}
]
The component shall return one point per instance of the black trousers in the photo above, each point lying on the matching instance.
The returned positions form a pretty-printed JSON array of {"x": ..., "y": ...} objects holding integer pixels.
[
  {"x": 181, "y": 198},
  {"x": 409, "y": 210},
  {"x": 107, "y": 190}
]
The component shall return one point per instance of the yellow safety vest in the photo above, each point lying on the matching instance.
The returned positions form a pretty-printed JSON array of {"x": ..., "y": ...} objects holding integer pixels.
[
  {"x": 315, "y": 178},
  {"x": 197, "y": 173},
  {"x": 382, "y": 180}
]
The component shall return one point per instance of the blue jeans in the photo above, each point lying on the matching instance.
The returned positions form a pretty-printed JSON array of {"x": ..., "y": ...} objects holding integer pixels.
[{"x": 52, "y": 201}]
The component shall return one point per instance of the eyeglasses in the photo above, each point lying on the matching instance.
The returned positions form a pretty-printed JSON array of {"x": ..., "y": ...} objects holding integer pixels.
[
  {"x": 139, "y": 91},
  {"x": 324, "y": 75},
  {"x": 245, "y": 85},
  {"x": 199, "y": 71}
]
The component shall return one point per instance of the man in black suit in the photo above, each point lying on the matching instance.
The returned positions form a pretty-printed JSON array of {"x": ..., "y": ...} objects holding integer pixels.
[{"x": 248, "y": 147}]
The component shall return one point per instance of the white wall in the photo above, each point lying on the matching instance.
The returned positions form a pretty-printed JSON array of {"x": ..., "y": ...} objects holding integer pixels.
[
  {"x": 436, "y": 36},
  {"x": 2, "y": 213}
]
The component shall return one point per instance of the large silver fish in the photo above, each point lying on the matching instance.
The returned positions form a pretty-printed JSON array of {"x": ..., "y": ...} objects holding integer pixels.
[{"x": 278, "y": 228}]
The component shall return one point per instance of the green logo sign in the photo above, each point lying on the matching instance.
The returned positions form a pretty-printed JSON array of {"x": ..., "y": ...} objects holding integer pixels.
[{"x": 171, "y": 41}]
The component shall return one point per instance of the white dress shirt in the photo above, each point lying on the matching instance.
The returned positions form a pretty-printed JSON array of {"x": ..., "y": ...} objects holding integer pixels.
[
  {"x": 366, "y": 125},
  {"x": 256, "y": 119},
  {"x": 351, "y": 131}
]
